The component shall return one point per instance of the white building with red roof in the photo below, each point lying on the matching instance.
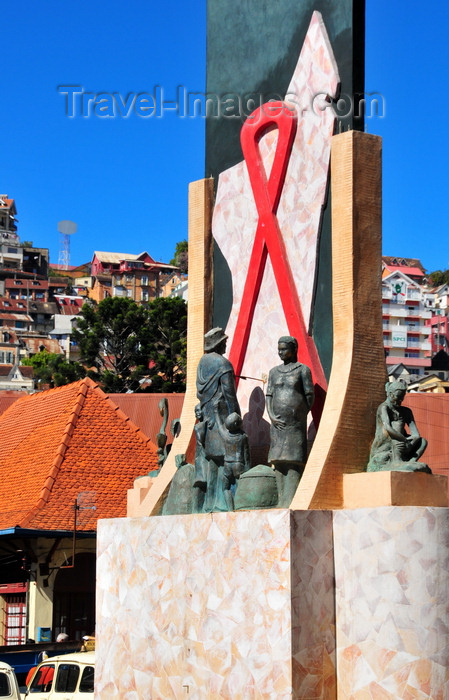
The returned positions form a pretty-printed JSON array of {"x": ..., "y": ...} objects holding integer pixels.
[{"x": 405, "y": 313}]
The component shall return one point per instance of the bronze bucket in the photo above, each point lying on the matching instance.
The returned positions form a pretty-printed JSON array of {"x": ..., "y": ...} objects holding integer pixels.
[{"x": 256, "y": 489}]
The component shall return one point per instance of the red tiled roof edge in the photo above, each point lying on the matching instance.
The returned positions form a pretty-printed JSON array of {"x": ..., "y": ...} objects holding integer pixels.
[
  {"x": 120, "y": 414},
  {"x": 60, "y": 452},
  {"x": 21, "y": 398}
]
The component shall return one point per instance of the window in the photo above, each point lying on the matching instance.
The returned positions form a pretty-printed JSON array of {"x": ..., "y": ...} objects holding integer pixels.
[
  {"x": 39, "y": 295},
  {"x": 15, "y": 618},
  {"x": 35, "y": 283},
  {"x": 129, "y": 278},
  {"x": 129, "y": 293},
  {"x": 20, "y": 324},
  {"x": 5, "y": 690},
  {"x": 87, "y": 680},
  {"x": 144, "y": 280},
  {"x": 43, "y": 679},
  {"x": 67, "y": 678},
  {"x": 12, "y": 250}
]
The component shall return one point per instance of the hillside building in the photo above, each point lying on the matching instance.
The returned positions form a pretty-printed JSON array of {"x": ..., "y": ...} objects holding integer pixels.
[
  {"x": 406, "y": 335},
  {"x": 137, "y": 277}
]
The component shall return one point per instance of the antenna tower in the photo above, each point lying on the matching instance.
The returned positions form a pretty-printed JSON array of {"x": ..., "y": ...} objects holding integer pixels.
[{"x": 66, "y": 229}]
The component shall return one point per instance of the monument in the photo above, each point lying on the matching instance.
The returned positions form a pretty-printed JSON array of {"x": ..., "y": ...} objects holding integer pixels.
[
  {"x": 393, "y": 449},
  {"x": 290, "y": 396},
  {"x": 333, "y": 596}
]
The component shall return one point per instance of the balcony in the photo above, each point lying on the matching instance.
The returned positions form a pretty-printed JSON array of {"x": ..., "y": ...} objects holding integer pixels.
[
  {"x": 420, "y": 345},
  {"x": 401, "y": 311},
  {"x": 132, "y": 266},
  {"x": 395, "y": 327},
  {"x": 414, "y": 295},
  {"x": 409, "y": 361}
]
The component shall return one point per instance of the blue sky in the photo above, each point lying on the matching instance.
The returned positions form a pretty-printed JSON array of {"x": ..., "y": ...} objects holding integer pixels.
[{"x": 124, "y": 180}]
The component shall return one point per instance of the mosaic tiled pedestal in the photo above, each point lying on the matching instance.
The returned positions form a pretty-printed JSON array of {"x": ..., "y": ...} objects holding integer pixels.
[
  {"x": 251, "y": 604},
  {"x": 392, "y": 603}
]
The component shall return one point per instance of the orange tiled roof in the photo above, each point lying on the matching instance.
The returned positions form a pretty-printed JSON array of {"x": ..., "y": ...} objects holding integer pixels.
[
  {"x": 143, "y": 409},
  {"x": 57, "y": 444}
]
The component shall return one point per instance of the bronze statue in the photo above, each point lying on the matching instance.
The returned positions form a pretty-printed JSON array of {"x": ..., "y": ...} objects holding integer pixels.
[
  {"x": 237, "y": 460},
  {"x": 290, "y": 396},
  {"x": 182, "y": 498},
  {"x": 394, "y": 449},
  {"x": 161, "y": 437},
  {"x": 216, "y": 392}
]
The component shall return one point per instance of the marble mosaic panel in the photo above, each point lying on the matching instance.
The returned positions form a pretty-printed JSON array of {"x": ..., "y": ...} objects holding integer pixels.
[
  {"x": 392, "y": 603},
  {"x": 235, "y": 215},
  {"x": 313, "y": 606},
  {"x": 202, "y": 606}
]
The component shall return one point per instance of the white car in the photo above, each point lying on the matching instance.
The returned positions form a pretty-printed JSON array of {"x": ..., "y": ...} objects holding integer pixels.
[
  {"x": 9, "y": 688},
  {"x": 65, "y": 677}
]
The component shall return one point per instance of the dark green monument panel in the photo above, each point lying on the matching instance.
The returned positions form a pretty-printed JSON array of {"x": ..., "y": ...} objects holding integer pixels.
[{"x": 252, "y": 50}]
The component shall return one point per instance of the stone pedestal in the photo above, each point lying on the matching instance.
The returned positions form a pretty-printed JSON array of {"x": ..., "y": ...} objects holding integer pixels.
[
  {"x": 374, "y": 489},
  {"x": 392, "y": 603},
  {"x": 274, "y": 604},
  {"x": 226, "y": 605}
]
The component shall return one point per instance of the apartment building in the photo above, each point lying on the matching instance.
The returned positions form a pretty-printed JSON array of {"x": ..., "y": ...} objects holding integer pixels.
[{"x": 405, "y": 317}]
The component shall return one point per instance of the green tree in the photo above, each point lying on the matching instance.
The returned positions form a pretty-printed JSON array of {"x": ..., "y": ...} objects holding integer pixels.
[
  {"x": 121, "y": 343},
  {"x": 53, "y": 369},
  {"x": 168, "y": 344},
  {"x": 114, "y": 343},
  {"x": 438, "y": 277},
  {"x": 181, "y": 257}
]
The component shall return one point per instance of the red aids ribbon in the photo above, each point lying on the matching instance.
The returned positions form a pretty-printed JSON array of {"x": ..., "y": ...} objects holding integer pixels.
[{"x": 268, "y": 241}]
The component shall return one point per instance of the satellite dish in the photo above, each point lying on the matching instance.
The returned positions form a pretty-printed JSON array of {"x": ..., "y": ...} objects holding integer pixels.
[{"x": 67, "y": 227}]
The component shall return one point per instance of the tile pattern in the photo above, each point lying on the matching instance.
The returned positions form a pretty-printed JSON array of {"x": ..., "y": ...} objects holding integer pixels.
[
  {"x": 235, "y": 215},
  {"x": 313, "y": 606},
  {"x": 392, "y": 598},
  {"x": 239, "y": 606},
  {"x": 58, "y": 443},
  {"x": 204, "y": 604}
]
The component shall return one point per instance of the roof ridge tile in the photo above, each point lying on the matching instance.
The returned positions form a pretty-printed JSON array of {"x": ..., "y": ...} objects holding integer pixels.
[
  {"x": 63, "y": 456},
  {"x": 61, "y": 449}
]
